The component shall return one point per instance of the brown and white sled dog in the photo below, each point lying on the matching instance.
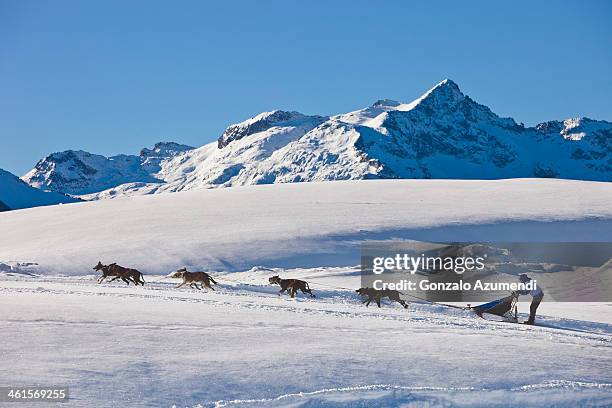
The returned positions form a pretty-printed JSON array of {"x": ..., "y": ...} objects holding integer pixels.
[
  {"x": 193, "y": 278},
  {"x": 291, "y": 285},
  {"x": 373, "y": 294},
  {"x": 119, "y": 272}
]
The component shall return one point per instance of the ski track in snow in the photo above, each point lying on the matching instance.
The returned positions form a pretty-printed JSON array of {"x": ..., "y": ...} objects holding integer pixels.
[{"x": 359, "y": 397}]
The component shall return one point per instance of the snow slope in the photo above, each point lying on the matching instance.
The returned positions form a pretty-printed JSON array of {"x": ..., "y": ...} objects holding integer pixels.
[
  {"x": 300, "y": 225},
  {"x": 243, "y": 346},
  {"x": 442, "y": 134},
  {"x": 15, "y": 194}
]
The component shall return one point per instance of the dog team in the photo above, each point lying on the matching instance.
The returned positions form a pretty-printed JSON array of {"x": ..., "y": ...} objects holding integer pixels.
[{"x": 291, "y": 286}]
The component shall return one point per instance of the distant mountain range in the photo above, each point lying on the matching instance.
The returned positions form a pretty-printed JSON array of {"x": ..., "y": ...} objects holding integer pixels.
[
  {"x": 442, "y": 134},
  {"x": 78, "y": 172}
]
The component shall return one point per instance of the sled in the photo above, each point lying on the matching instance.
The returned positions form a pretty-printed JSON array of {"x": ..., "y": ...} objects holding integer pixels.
[{"x": 501, "y": 310}]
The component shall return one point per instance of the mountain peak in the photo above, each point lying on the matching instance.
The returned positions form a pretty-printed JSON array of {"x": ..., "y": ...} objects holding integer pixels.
[
  {"x": 444, "y": 93},
  {"x": 386, "y": 103},
  {"x": 447, "y": 88},
  {"x": 165, "y": 149},
  {"x": 448, "y": 83},
  {"x": 259, "y": 123}
]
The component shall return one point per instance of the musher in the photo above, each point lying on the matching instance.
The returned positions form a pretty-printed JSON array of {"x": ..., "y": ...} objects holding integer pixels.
[{"x": 537, "y": 294}]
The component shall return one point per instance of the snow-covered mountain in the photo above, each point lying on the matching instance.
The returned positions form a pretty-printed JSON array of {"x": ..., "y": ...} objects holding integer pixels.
[
  {"x": 15, "y": 194},
  {"x": 442, "y": 134},
  {"x": 79, "y": 172}
]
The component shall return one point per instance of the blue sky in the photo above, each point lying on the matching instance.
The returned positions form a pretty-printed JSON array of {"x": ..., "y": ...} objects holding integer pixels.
[{"x": 114, "y": 76}]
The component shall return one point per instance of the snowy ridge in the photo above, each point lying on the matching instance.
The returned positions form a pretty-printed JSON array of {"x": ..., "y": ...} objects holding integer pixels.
[
  {"x": 15, "y": 194},
  {"x": 442, "y": 134},
  {"x": 260, "y": 123}
]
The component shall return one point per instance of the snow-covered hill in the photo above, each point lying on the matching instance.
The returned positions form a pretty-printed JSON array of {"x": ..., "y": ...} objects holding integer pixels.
[
  {"x": 15, "y": 194},
  {"x": 298, "y": 225},
  {"x": 79, "y": 172},
  {"x": 244, "y": 346},
  {"x": 442, "y": 134}
]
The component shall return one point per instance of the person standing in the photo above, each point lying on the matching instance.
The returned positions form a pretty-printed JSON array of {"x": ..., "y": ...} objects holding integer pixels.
[{"x": 537, "y": 294}]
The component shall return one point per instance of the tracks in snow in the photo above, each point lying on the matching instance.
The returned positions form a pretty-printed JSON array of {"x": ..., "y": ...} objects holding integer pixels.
[{"x": 381, "y": 394}]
